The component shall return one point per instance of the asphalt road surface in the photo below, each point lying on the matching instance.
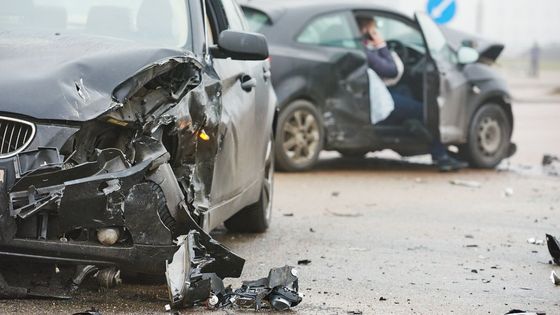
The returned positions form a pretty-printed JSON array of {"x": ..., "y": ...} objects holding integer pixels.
[{"x": 391, "y": 237}]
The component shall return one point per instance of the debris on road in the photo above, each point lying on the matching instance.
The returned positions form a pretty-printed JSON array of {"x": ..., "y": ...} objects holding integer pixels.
[
  {"x": 304, "y": 262},
  {"x": 554, "y": 278},
  {"x": 345, "y": 215},
  {"x": 509, "y": 192},
  {"x": 288, "y": 214},
  {"x": 357, "y": 312},
  {"x": 553, "y": 248},
  {"x": 335, "y": 194},
  {"x": 195, "y": 278},
  {"x": 551, "y": 165},
  {"x": 466, "y": 183},
  {"x": 520, "y": 312},
  {"x": 535, "y": 241},
  {"x": 358, "y": 249}
]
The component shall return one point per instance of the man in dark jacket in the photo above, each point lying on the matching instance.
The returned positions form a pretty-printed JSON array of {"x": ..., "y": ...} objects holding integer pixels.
[{"x": 408, "y": 111}]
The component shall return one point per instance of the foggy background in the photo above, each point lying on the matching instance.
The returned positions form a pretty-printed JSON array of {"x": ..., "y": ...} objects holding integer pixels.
[{"x": 517, "y": 23}]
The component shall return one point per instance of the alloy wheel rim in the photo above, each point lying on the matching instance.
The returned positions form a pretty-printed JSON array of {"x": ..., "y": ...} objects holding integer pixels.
[
  {"x": 301, "y": 137},
  {"x": 489, "y": 136}
]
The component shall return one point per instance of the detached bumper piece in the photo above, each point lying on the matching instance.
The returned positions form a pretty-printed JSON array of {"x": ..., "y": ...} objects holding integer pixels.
[
  {"x": 554, "y": 248},
  {"x": 191, "y": 282}
]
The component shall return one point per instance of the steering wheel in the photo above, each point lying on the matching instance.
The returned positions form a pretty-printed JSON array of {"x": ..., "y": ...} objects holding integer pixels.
[{"x": 399, "y": 48}]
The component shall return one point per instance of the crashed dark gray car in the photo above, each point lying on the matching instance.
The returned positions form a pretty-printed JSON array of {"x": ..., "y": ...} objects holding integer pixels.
[
  {"x": 124, "y": 126},
  {"x": 320, "y": 75}
]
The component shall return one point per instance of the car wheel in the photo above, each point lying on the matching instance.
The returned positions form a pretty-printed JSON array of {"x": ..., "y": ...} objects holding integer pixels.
[
  {"x": 299, "y": 138},
  {"x": 489, "y": 137},
  {"x": 353, "y": 154},
  {"x": 256, "y": 217}
]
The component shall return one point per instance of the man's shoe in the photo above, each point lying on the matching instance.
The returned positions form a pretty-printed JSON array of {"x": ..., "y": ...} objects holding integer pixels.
[{"x": 449, "y": 164}]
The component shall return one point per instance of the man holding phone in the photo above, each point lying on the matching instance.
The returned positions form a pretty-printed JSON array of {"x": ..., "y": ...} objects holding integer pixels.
[{"x": 407, "y": 111}]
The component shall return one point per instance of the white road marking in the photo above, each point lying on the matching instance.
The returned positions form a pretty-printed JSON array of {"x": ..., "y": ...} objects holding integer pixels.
[{"x": 438, "y": 11}]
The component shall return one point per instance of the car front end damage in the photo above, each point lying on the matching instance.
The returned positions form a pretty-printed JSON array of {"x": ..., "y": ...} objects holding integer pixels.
[{"x": 113, "y": 192}]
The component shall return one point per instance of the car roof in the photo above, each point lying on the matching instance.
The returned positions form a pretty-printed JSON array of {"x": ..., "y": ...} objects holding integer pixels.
[{"x": 276, "y": 8}]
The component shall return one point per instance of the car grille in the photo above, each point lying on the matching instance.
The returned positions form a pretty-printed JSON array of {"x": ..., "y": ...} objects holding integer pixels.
[{"x": 15, "y": 136}]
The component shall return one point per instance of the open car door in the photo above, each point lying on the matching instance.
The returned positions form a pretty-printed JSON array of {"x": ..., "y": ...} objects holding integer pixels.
[{"x": 445, "y": 86}]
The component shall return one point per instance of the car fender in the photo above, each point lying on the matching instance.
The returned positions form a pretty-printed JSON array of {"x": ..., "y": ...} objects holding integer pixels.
[
  {"x": 484, "y": 92},
  {"x": 291, "y": 89}
]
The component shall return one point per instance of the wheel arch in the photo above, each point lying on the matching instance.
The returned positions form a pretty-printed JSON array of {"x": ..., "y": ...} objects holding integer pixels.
[{"x": 498, "y": 97}]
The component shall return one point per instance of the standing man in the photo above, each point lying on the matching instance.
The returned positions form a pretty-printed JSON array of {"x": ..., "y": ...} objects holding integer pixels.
[{"x": 535, "y": 55}]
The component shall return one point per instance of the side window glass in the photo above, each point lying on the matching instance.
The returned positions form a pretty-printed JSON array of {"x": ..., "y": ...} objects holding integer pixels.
[
  {"x": 233, "y": 12},
  {"x": 329, "y": 30},
  {"x": 211, "y": 31},
  {"x": 392, "y": 29}
]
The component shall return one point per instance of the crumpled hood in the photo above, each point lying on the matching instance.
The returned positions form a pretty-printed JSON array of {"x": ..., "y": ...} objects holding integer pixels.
[
  {"x": 65, "y": 77},
  {"x": 488, "y": 49}
]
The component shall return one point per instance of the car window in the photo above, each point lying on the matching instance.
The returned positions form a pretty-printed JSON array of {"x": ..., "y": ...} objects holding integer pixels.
[
  {"x": 435, "y": 40},
  {"x": 393, "y": 29},
  {"x": 160, "y": 22},
  {"x": 434, "y": 37},
  {"x": 236, "y": 20},
  {"x": 329, "y": 30},
  {"x": 256, "y": 19}
]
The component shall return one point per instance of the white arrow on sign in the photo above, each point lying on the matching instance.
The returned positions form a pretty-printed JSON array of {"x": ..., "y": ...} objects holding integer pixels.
[{"x": 438, "y": 11}]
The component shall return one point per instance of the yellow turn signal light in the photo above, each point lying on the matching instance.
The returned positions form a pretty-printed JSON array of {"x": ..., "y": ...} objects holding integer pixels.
[{"x": 203, "y": 135}]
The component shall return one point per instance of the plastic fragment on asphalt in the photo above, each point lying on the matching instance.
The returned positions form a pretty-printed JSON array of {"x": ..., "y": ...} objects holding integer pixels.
[
  {"x": 553, "y": 248},
  {"x": 466, "y": 183},
  {"x": 554, "y": 278},
  {"x": 551, "y": 165},
  {"x": 508, "y": 192},
  {"x": 520, "y": 312},
  {"x": 535, "y": 241}
]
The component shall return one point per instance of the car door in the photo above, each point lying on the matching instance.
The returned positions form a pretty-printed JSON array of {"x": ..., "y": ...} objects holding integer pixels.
[
  {"x": 332, "y": 45},
  {"x": 445, "y": 83},
  {"x": 239, "y": 158}
]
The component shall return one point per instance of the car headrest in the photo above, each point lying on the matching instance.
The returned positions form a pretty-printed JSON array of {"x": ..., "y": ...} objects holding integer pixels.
[{"x": 109, "y": 21}]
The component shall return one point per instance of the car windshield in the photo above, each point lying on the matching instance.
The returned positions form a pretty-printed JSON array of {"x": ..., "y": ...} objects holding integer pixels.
[{"x": 158, "y": 22}]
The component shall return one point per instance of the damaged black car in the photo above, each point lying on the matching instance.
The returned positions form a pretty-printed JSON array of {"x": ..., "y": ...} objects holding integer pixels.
[
  {"x": 325, "y": 95},
  {"x": 124, "y": 126}
]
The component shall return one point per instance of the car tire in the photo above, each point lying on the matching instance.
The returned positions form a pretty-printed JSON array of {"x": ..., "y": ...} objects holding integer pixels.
[
  {"x": 299, "y": 137},
  {"x": 256, "y": 218},
  {"x": 489, "y": 137}
]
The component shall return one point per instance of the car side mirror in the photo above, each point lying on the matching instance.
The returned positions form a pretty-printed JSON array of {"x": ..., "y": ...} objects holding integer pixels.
[
  {"x": 241, "y": 46},
  {"x": 467, "y": 55}
]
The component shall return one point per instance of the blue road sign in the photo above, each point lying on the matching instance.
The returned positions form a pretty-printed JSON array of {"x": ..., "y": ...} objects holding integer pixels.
[{"x": 442, "y": 11}]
